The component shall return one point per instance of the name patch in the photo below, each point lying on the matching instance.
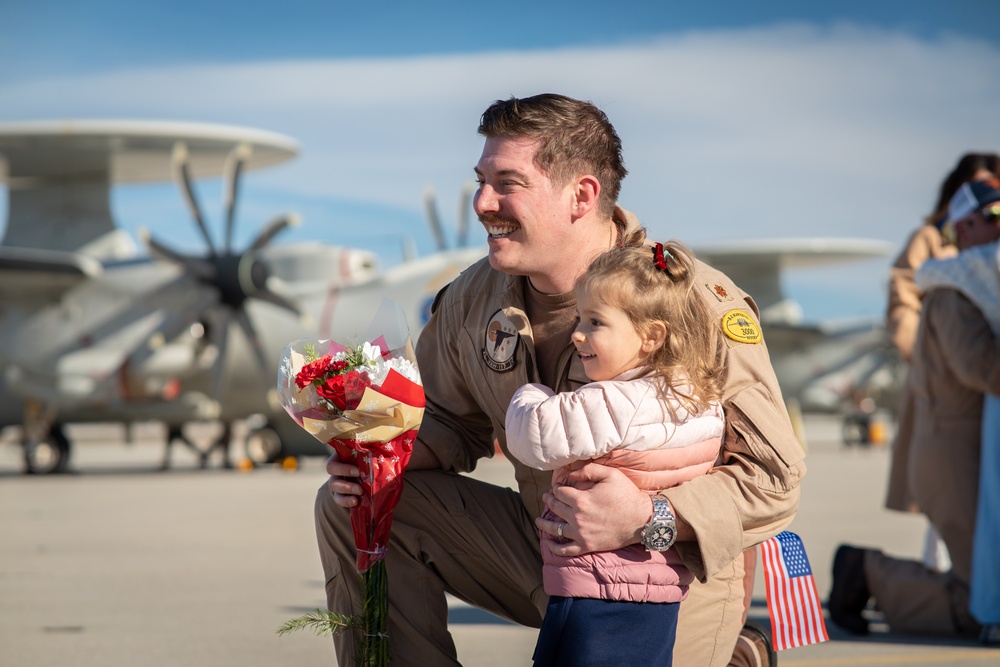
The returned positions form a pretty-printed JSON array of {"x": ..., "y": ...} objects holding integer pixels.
[{"x": 741, "y": 327}]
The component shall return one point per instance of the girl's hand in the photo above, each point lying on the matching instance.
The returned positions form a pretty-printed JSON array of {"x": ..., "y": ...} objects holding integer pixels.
[{"x": 601, "y": 508}]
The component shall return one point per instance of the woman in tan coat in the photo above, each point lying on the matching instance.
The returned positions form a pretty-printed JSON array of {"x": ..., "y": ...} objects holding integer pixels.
[{"x": 903, "y": 317}]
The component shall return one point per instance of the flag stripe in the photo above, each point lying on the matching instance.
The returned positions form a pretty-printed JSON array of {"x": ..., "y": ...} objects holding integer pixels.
[{"x": 793, "y": 602}]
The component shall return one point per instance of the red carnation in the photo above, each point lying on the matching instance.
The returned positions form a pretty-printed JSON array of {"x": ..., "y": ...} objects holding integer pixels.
[{"x": 312, "y": 371}]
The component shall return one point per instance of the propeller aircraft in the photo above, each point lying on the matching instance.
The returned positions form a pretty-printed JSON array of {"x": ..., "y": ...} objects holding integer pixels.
[{"x": 93, "y": 330}]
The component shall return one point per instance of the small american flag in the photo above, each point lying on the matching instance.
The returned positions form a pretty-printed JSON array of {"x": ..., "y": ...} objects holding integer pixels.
[{"x": 792, "y": 600}]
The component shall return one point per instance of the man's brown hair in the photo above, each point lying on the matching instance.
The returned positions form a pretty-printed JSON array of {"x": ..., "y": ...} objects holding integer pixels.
[{"x": 575, "y": 138}]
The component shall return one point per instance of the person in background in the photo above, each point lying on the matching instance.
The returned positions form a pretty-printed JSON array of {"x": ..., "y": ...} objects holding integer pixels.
[
  {"x": 652, "y": 410},
  {"x": 902, "y": 320},
  {"x": 955, "y": 361}
]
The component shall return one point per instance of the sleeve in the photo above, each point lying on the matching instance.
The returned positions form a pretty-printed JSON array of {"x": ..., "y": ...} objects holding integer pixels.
[
  {"x": 903, "y": 310},
  {"x": 902, "y": 317},
  {"x": 753, "y": 493},
  {"x": 455, "y": 428},
  {"x": 546, "y": 430},
  {"x": 972, "y": 349}
]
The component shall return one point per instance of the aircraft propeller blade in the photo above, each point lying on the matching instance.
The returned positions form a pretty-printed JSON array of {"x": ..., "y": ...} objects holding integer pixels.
[
  {"x": 218, "y": 330},
  {"x": 197, "y": 267},
  {"x": 464, "y": 206},
  {"x": 233, "y": 169},
  {"x": 430, "y": 209},
  {"x": 272, "y": 229},
  {"x": 174, "y": 321},
  {"x": 276, "y": 293},
  {"x": 171, "y": 305},
  {"x": 258, "y": 349},
  {"x": 182, "y": 173}
]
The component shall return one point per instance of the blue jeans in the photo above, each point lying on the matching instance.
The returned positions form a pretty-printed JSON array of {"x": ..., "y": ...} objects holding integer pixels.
[
  {"x": 578, "y": 632},
  {"x": 984, "y": 597}
]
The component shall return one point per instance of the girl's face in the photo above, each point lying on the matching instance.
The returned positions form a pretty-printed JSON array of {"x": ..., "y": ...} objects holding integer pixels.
[{"x": 606, "y": 341}]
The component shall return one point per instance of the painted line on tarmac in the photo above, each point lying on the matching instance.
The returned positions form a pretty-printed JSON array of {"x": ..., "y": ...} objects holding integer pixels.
[{"x": 954, "y": 656}]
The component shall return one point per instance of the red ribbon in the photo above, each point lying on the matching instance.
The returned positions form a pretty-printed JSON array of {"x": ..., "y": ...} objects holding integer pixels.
[{"x": 658, "y": 259}]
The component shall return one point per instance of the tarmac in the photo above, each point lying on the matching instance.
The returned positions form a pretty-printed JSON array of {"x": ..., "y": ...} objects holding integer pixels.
[{"x": 118, "y": 563}]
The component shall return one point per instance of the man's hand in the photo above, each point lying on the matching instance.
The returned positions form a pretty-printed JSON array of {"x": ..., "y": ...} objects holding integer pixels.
[
  {"x": 602, "y": 509},
  {"x": 342, "y": 475},
  {"x": 345, "y": 492}
]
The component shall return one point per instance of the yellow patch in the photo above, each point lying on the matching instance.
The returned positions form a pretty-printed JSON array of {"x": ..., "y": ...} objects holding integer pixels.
[{"x": 738, "y": 325}]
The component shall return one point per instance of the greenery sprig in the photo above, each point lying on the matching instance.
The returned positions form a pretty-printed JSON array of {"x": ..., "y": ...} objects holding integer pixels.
[{"x": 322, "y": 622}]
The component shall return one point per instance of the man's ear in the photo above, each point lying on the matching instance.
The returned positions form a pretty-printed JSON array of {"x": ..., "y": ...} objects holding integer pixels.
[
  {"x": 586, "y": 190},
  {"x": 654, "y": 336}
]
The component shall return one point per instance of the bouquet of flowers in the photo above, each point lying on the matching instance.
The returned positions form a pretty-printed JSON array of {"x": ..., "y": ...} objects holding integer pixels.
[{"x": 366, "y": 401}]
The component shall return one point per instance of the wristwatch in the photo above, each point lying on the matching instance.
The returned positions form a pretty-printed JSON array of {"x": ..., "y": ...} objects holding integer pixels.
[{"x": 660, "y": 533}]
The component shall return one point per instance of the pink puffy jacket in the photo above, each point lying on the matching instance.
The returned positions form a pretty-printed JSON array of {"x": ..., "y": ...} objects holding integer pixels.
[{"x": 622, "y": 423}]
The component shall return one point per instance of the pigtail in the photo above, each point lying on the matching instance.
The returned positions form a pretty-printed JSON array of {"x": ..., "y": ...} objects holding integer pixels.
[{"x": 672, "y": 259}]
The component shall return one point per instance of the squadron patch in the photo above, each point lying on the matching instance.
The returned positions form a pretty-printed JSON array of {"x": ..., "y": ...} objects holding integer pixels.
[
  {"x": 739, "y": 326},
  {"x": 500, "y": 344},
  {"x": 719, "y": 292}
]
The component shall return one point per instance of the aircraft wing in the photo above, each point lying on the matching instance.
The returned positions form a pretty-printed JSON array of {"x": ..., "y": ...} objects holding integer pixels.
[
  {"x": 58, "y": 173},
  {"x": 756, "y": 265},
  {"x": 32, "y": 275}
]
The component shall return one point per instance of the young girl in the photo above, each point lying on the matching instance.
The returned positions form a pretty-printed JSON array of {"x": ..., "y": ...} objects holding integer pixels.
[{"x": 654, "y": 354}]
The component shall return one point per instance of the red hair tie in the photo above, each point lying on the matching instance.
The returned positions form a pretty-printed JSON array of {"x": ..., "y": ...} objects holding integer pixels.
[{"x": 660, "y": 258}]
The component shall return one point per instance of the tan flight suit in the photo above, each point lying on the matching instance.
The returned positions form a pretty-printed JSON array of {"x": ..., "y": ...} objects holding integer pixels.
[
  {"x": 902, "y": 320},
  {"x": 956, "y": 360},
  {"x": 478, "y": 542}
]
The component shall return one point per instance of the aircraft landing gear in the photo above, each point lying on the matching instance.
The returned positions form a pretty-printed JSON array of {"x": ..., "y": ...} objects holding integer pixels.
[
  {"x": 263, "y": 445},
  {"x": 46, "y": 448},
  {"x": 46, "y": 454},
  {"x": 175, "y": 433}
]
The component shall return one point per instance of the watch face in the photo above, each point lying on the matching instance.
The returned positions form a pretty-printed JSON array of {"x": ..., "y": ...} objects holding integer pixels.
[{"x": 659, "y": 537}]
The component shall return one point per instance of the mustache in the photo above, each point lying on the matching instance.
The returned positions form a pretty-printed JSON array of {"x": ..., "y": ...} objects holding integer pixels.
[{"x": 496, "y": 218}]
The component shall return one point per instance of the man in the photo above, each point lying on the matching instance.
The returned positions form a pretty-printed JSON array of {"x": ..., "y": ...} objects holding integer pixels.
[
  {"x": 549, "y": 178},
  {"x": 956, "y": 359}
]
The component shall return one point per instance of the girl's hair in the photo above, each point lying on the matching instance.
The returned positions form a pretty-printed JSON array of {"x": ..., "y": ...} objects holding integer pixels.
[{"x": 692, "y": 358}]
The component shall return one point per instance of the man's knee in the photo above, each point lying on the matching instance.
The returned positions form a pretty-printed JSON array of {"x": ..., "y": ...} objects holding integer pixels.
[
  {"x": 711, "y": 619},
  {"x": 331, "y": 522}
]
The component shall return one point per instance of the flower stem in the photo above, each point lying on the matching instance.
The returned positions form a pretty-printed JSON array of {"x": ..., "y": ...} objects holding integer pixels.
[{"x": 375, "y": 631}]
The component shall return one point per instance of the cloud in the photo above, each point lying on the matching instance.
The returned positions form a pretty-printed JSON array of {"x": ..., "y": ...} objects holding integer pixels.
[{"x": 792, "y": 130}]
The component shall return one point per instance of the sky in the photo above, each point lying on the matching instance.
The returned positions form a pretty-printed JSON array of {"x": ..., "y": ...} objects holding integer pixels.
[{"x": 739, "y": 120}]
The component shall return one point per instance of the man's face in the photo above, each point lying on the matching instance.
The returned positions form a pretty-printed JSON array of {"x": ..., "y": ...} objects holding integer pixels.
[
  {"x": 527, "y": 217},
  {"x": 976, "y": 229}
]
